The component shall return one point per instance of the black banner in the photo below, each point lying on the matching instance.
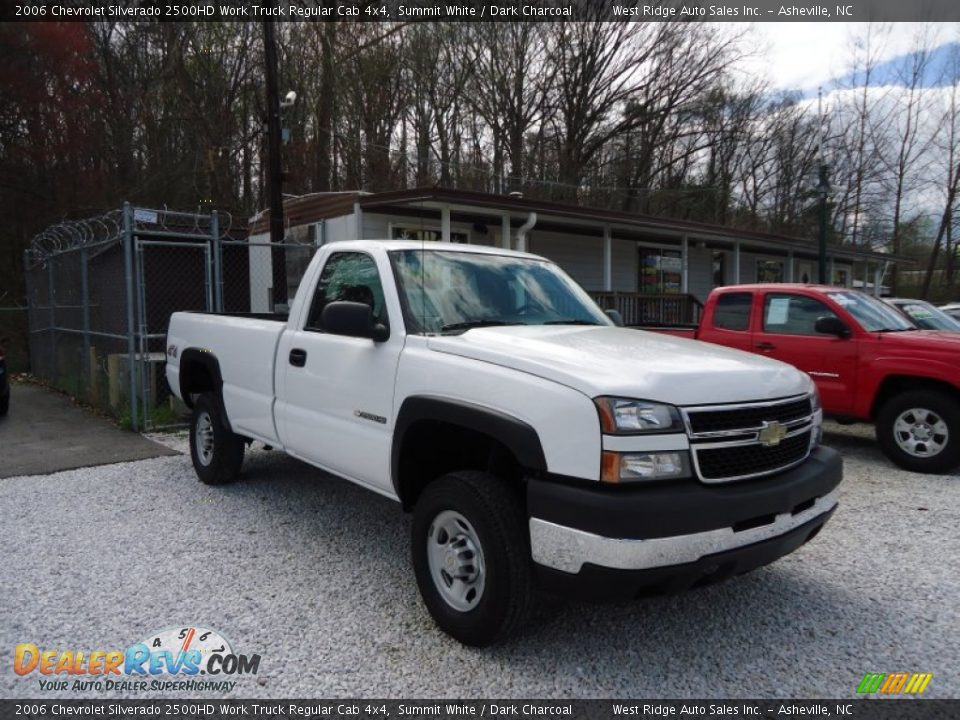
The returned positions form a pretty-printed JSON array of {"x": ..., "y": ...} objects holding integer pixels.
[
  {"x": 485, "y": 10},
  {"x": 873, "y": 709}
]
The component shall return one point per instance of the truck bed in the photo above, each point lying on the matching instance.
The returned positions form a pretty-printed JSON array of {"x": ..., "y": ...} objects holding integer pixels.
[{"x": 245, "y": 346}]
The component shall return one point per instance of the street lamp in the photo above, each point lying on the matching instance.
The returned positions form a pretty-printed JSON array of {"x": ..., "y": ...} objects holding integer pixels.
[{"x": 823, "y": 190}]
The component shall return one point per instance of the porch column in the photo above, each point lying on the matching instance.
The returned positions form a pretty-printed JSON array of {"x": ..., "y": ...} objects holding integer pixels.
[
  {"x": 877, "y": 279},
  {"x": 832, "y": 273},
  {"x": 607, "y": 259},
  {"x": 866, "y": 275},
  {"x": 684, "y": 264},
  {"x": 790, "y": 266},
  {"x": 358, "y": 221},
  {"x": 505, "y": 232},
  {"x": 736, "y": 262},
  {"x": 445, "y": 224}
]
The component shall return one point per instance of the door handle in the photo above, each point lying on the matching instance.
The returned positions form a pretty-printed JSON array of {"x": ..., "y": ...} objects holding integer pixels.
[
  {"x": 766, "y": 346},
  {"x": 298, "y": 357}
]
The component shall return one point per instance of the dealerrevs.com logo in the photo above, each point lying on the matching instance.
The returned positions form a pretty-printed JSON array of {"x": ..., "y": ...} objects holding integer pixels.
[
  {"x": 894, "y": 683},
  {"x": 172, "y": 659}
]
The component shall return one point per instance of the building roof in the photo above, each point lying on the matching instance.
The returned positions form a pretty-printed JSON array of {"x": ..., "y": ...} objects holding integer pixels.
[{"x": 488, "y": 207}]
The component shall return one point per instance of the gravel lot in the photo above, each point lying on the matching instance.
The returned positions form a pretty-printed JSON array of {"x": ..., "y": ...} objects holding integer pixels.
[{"x": 313, "y": 574}]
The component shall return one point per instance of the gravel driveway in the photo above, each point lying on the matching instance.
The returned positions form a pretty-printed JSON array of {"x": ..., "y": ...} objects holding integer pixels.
[{"x": 313, "y": 574}]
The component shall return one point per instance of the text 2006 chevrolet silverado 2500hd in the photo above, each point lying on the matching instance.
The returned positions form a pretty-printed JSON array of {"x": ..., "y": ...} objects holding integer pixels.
[
  {"x": 533, "y": 440},
  {"x": 869, "y": 362}
]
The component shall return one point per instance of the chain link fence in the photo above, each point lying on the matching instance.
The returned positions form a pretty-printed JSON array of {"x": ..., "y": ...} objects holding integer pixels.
[{"x": 101, "y": 292}]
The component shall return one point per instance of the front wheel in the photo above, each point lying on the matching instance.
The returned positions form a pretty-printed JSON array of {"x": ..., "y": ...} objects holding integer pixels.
[
  {"x": 471, "y": 556},
  {"x": 217, "y": 453},
  {"x": 919, "y": 430}
]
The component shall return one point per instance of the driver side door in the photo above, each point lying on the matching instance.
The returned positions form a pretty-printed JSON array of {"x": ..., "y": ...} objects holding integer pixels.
[
  {"x": 336, "y": 395},
  {"x": 787, "y": 333}
]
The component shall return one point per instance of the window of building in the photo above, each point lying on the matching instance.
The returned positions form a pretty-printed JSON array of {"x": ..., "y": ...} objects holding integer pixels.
[
  {"x": 733, "y": 311},
  {"x": 770, "y": 271},
  {"x": 404, "y": 232},
  {"x": 661, "y": 271},
  {"x": 719, "y": 268}
]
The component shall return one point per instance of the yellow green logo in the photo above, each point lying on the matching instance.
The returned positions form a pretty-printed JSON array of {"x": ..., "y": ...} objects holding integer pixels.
[{"x": 894, "y": 683}]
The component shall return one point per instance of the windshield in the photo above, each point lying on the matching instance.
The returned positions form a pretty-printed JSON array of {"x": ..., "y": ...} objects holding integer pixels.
[
  {"x": 927, "y": 317},
  {"x": 872, "y": 314},
  {"x": 449, "y": 291}
]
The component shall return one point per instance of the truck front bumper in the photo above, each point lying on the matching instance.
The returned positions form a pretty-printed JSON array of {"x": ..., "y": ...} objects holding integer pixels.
[{"x": 601, "y": 541}]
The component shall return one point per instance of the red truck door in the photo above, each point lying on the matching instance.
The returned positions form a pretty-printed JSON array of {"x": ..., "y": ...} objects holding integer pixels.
[
  {"x": 785, "y": 331},
  {"x": 729, "y": 321}
]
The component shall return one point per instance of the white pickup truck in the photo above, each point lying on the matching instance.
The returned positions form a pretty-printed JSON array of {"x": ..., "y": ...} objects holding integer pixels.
[{"x": 536, "y": 443}]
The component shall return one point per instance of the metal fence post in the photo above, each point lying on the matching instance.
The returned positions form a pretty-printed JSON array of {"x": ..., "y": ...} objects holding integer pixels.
[
  {"x": 85, "y": 295},
  {"x": 128, "y": 276},
  {"x": 217, "y": 262},
  {"x": 31, "y": 310},
  {"x": 143, "y": 334},
  {"x": 51, "y": 301}
]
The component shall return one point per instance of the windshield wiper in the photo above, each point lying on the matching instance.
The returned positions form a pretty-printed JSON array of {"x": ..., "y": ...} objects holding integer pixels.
[
  {"x": 885, "y": 330},
  {"x": 468, "y": 324},
  {"x": 571, "y": 322}
]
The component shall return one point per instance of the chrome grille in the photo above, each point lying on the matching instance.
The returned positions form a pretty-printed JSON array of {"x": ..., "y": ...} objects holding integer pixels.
[
  {"x": 704, "y": 421},
  {"x": 736, "y": 442}
]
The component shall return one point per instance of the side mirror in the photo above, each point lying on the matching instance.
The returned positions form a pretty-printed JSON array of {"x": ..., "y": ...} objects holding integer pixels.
[
  {"x": 831, "y": 325},
  {"x": 615, "y": 316},
  {"x": 353, "y": 319}
]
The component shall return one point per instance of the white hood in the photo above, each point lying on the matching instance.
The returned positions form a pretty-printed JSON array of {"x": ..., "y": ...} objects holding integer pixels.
[{"x": 629, "y": 363}]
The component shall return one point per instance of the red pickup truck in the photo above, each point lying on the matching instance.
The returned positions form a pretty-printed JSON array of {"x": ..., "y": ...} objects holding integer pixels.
[{"x": 869, "y": 362}]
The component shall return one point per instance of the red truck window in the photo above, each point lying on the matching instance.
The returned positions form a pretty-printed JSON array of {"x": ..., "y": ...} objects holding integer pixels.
[
  {"x": 733, "y": 311},
  {"x": 793, "y": 314}
]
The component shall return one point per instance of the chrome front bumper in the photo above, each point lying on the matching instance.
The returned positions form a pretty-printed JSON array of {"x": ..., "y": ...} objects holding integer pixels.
[{"x": 567, "y": 549}]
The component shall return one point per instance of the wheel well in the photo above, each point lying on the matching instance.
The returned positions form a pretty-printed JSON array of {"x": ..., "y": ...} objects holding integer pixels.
[
  {"x": 897, "y": 384},
  {"x": 195, "y": 378},
  {"x": 433, "y": 448}
]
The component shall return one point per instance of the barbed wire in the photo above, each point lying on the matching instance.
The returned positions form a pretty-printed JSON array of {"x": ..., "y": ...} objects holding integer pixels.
[{"x": 102, "y": 230}]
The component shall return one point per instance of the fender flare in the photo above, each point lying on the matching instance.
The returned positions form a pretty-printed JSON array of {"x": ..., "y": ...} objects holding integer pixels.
[
  {"x": 517, "y": 436},
  {"x": 206, "y": 359}
]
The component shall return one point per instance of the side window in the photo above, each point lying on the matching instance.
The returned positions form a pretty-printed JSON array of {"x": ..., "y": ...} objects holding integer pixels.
[
  {"x": 733, "y": 311},
  {"x": 793, "y": 314},
  {"x": 349, "y": 276}
]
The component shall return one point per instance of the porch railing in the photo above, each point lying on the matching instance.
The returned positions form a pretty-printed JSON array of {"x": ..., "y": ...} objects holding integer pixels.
[{"x": 643, "y": 309}]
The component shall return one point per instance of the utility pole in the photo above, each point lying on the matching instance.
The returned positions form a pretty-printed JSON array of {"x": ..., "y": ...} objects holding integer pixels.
[
  {"x": 278, "y": 254},
  {"x": 823, "y": 189}
]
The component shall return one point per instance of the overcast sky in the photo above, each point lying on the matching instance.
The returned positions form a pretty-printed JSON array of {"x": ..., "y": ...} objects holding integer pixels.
[{"x": 803, "y": 56}]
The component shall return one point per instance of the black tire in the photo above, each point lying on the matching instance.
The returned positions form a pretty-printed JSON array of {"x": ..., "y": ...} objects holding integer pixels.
[
  {"x": 5, "y": 405},
  {"x": 935, "y": 408},
  {"x": 221, "y": 462},
  {"x": 495, "y": 515}
]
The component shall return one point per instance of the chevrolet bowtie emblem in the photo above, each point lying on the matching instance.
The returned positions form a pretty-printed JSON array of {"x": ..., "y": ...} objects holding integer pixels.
[{"x": 771, "y": 433}]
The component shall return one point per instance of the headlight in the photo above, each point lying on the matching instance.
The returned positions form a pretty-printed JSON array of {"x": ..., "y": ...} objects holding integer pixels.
[
  {"x": 631, "y": 467},
  {"x": 816, "y": 434},
  {"x": 623, "y": 416}
]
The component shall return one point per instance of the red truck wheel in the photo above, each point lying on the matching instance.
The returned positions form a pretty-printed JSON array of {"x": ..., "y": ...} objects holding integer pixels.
[{"x": 919, "y": 430}]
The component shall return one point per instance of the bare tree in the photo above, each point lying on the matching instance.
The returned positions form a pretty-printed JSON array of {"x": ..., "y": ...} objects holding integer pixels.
[
  {"x": 903, "y": 144},
  {"x": 949, "y": 148},
  {"x": 512, "y": 80}
]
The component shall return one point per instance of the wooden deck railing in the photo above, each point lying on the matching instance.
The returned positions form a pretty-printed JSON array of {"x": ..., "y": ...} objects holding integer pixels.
[{"x": 642, "y": 309}]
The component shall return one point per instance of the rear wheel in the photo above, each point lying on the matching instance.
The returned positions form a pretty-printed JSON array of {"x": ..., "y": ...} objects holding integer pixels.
[
  {"x": 5, "y": 404},
  {"x": 217, "y": 453},
  {"x": 919, "y": 430},
  {"x": 471, "y": 556}
]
